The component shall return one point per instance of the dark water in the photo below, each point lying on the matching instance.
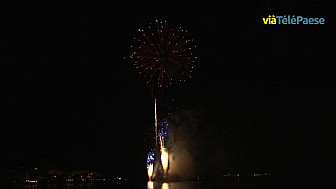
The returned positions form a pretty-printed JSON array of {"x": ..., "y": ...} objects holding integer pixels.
[
  {"x": 259, "y": 183},
  {"x": 230, "y": 183},
  {"x": 205, "y": 184},
  {"x": 191, "y": 185},
  {"x": 149, "y": 185}
]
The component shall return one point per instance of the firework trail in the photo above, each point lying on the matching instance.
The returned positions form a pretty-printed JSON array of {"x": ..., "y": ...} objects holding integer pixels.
[{"x": 156, "y": 130}]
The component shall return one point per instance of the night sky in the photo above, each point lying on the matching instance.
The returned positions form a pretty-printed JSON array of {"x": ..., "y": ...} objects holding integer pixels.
[{"x": 70, "y": 100}]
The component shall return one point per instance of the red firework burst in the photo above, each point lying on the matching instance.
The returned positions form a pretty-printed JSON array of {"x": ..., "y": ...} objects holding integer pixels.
[{"x": 162, "y": 55}]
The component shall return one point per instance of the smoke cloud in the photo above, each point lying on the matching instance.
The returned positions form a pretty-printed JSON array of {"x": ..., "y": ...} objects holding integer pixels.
[
  {"x": 196, "y": 147},
  {"x": 203, "y": 142},
  {"x": 182, "y": 132}
]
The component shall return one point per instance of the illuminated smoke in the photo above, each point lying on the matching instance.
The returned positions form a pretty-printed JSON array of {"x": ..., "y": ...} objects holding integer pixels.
[{"x": 184, "y": 139}]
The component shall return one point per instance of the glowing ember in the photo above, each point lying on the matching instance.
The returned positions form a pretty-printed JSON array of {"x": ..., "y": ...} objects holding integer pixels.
[
  {"x": 150, "y": 171},
  {"x": 164, "y": 157}
]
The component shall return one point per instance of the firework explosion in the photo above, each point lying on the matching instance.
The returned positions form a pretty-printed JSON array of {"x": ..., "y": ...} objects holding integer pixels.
[{"x": 162, "y": 55}]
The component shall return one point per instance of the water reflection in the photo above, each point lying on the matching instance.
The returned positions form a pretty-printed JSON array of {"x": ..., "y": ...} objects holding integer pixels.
[
  {"x": 150, "y": 185},
  {"x": 183, "y": 185},
  {"x": 228, "y": 184},
  {"x": 176, "y": 185},
  {"x": 165, "y": 186},
  {"x": 155, "y": 185},
  {"x": 30, "y": 186}
]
